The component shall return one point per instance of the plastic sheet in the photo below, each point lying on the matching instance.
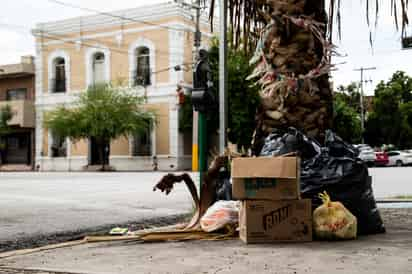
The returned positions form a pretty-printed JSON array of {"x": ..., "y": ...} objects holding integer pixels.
[
  {"x": 334, "y": 168},
  {"x": 219, "y": 215}
]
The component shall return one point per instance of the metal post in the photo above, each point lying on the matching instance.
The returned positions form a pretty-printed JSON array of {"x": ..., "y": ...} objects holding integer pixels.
[
  {"x": 195, "y": 147},
  {"x": 362, "y": 107},
  {"x": 195, "y": 132},
  {"x": 362, "y": 114},
  {"x": 223, "y": 76},
  {"x": 202, "y": 144}
]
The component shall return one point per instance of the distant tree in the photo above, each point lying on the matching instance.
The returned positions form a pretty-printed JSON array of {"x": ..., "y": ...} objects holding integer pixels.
[
  {"x": 350, "y": 94},
  {"x": 243, "y": 96},
  {"x": 346, "y": 121},
  {"x": 5, "y": 116},
  {"x": 405, "y": 137},
  {"x": 102, "y": 113},
  {"x": 390, "y": 120}
]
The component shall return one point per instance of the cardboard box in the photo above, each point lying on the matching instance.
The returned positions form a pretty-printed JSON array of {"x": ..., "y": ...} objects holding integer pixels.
[
  {"x": 266, "y": 178},
  {"x": 275, "y": 221}
]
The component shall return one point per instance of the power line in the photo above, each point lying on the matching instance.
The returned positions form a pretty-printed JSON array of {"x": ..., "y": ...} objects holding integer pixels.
[
  {"x": 57, "y": 37},
  {"x": 115, "y": 15}
]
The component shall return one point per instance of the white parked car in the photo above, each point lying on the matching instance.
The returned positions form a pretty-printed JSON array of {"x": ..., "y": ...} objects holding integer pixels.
[
  {"x": 399, "y": 158},
  {"x": 368, "y": 156}
]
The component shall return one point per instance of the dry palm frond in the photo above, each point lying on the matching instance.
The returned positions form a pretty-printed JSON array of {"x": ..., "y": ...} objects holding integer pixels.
[{"x": 249, "y": 17}]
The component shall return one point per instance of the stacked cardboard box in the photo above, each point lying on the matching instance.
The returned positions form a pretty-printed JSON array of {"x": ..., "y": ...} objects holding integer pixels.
[{"x": 271, "y": 208}]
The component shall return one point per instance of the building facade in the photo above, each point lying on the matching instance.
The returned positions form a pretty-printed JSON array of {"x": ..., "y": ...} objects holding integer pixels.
[
  {"x": 138, "y": 49},
  {"x": 17, "y": 84}
]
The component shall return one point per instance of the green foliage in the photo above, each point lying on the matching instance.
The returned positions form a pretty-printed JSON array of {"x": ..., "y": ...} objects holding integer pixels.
[
  {"x": 102, "y": 112},
  {"x": 5, "y": 116},
  {"x": 243, "y": 98},
  {"x": 346, "y": 121},
  {"x": 391, "y": 119},
  {"x": 186, "y": 115},
  {"x": 350, "y": 94}
]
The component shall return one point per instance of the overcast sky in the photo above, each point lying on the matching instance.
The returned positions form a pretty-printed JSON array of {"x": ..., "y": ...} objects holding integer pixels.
[{"x": 386, "y": 55}]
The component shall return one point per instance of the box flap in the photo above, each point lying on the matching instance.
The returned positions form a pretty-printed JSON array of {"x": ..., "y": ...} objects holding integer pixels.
[{"x": 265, "y": 167}]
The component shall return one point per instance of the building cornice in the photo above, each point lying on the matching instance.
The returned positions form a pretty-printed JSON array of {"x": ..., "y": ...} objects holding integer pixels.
[{"x": 146, "y": 15}]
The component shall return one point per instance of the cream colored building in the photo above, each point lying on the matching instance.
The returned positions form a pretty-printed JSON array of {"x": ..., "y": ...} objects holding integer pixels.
[{"x": 137, "y": 48}]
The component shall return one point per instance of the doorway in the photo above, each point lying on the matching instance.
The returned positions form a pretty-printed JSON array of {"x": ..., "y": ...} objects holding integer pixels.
[{"x": 18, "y": 148}]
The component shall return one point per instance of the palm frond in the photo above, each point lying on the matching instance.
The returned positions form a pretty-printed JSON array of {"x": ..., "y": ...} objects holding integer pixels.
[{"x": 248, "y": 17}]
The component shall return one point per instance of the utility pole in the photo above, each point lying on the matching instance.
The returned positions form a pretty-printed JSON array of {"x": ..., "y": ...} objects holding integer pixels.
[
  {"x": 199, "y": 118},
  {"x": 196, "y": 116},
  {"x": 362, "y": 69},
  {"x": 223, "y": 77}
]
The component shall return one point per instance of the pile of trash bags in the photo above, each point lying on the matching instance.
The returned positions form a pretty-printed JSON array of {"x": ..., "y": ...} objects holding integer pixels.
[{"x": 333, "y": 168}]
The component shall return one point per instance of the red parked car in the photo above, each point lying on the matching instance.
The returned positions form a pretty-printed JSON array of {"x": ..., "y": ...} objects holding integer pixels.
[{"x": 381, "y": 158}]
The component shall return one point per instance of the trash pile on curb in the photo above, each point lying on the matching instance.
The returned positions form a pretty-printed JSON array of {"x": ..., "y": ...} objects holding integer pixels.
[
  {"x": 294, "y": 187},
  {"x": 295, "y": 191}
]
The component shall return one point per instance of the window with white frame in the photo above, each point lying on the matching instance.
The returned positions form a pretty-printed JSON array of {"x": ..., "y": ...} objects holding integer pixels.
[
  {"x": 59, "y": 77},
  {"x": 142, "y": 75},
  {"x": 142, "y": 143},
  {"x": 99, "y": 68},
  {"x": 58, "y": 146}
]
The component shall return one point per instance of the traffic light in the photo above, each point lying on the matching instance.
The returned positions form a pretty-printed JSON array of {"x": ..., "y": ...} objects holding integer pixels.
[
  {"x": 202, "y": 99},
  {"x": 202, "y": 95}
]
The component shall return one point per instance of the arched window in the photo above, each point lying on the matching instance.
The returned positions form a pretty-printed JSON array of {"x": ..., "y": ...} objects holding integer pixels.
[
  {"x": 59, "y": 80},
  {"x": 142, "y": 75},
  {"x": 98, "y": 68}
]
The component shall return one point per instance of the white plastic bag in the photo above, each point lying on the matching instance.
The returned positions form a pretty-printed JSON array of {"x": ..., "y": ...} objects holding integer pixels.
[{"x": 219, "y": 215}]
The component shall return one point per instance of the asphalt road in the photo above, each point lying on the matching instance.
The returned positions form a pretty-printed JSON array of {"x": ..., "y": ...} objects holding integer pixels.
[{"x": 33, "y": 204}]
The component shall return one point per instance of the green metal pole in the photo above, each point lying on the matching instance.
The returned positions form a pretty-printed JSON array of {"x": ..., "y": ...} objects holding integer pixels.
[{"x": 202, "y": 145}]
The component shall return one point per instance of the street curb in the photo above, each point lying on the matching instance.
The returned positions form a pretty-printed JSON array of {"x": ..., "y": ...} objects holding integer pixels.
[
  {"x": 12, "y": 270},
  {"x": 66, "y": 236},
  {"x": 387, "y": 201}
]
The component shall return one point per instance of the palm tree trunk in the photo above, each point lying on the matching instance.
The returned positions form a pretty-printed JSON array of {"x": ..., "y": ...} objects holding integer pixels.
[{"x": 295, "y": 82}]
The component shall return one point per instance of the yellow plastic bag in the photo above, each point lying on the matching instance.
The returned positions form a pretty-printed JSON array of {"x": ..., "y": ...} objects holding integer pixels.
[{"x": 333, "y": 221}]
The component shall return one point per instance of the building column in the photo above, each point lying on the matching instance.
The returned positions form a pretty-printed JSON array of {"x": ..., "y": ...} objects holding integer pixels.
[
  {"x": 38, "y": 146},
  {"x": 176, "y": 50}
]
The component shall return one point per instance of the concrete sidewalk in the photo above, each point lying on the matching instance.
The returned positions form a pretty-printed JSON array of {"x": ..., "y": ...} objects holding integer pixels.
[{"x": 385, "y": 253}]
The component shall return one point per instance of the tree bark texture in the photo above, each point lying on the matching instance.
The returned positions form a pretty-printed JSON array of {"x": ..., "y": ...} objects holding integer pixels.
[{"x": 292, "y": 64}]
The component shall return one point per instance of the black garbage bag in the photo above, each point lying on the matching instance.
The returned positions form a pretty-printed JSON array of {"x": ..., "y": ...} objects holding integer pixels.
[
  {"x": 223, "y": 186},
  {"x": 339, "y": 148},
  {"x": 292, "y": 141},
  {"x": 337, "y": 170}
]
